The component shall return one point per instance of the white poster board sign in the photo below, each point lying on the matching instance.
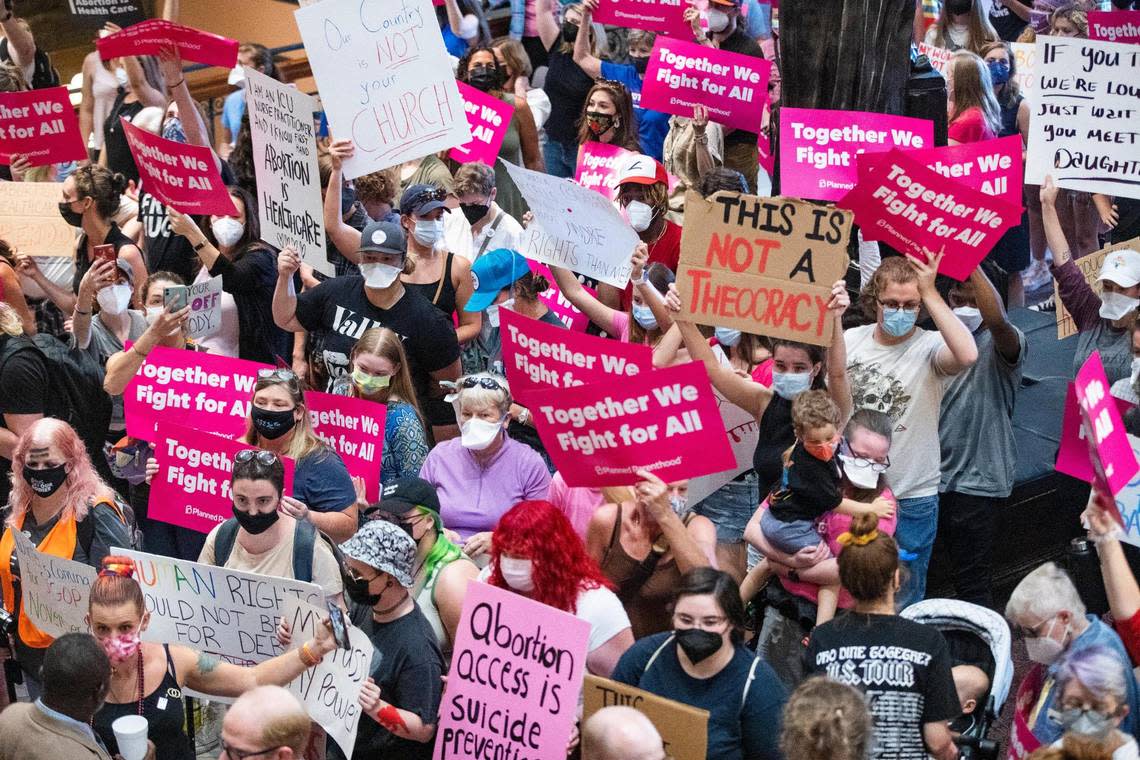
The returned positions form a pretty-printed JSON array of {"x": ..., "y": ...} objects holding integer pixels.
[
  {"x": 54, "y": 590},
  {"x": 205, "y": 307}
]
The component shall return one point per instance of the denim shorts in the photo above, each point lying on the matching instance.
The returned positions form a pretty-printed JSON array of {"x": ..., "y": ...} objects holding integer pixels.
[
  {"x": 789, "y": 537},
  {"x": 731, "y": 506}
]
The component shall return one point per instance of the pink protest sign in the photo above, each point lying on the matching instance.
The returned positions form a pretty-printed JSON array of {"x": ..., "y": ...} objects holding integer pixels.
[
  {"x": 1022, "y": 742},
  {"x": 733, "y": 87},
  {"x": 598, "y": 166},
  {"x": 662, "y": 16},
  {"x": 818, "y": 147},
  {"x": 918, "y": 211},
  {"x": 570, "y": 315},
  {"x": 513, "y": 657},
  {"x": 1111, "y": 455},
  {"x": 993, "y": 167},
  {"x": 489, "y": 119},
  {"x": 1115, "y": 26},
  {"x": 182, "y": 176},
  {"x": 355, "y": 429},
  {"x": 199, "y": 390},
  {"x": 665, "y": 421},
  {"x": 41, "y": 125},
  {"x": 192, "y": 487},
  {"x": 1073, "y": 453},
  {"x": 150, "y": 37},
  {"x": 538, "y": 356}
]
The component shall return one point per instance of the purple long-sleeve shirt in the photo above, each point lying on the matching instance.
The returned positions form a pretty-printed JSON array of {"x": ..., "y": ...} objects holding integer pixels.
[{"x": 1095, "y": 332}]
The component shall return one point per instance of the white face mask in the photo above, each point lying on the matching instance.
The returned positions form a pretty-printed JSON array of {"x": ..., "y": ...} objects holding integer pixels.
[
  {"x": 379, "y": 276},
  {"x": 518, "y": 573},
  {"x": 115, "y": 298},
  {"x": 477, "y": 434},
  {"x": 1113, "y": 306},
  {"x": 236, "y": 77},
  {"x": 727, "y": 336},
  {"x": 640, "y": 215},
  {"x": 859, "y": 474},
  {"x": 717, "y": 20},
  {"x": 1044, "y": 649},
  {"x": 644, "y": 316},
  {"x": 969, "y": 316},
  {"x": 121, "y": 77},
  {"x": 428, "y": 231},
  {"x": 227, "y": 230},
  {"x": 493, "y": 315},
  {"x": 153, "y": 313}
]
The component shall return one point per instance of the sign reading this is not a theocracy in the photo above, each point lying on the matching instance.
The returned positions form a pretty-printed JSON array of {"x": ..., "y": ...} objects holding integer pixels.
[
  {"x": 385, "y": 79},
  {"x": 762, "y": 264}
]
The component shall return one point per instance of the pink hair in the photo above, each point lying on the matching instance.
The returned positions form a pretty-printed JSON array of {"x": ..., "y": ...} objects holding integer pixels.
[{"x": 82, "y": 483}]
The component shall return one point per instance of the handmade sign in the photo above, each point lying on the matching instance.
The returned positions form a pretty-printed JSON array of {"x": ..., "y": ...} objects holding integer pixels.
[
  {"x": 1025, "y": 60},
  {"x": 732, "y": 86},
  {"x": 939, "y": 57},
  {"x": 355, "y": 429},
  {"x": 54, "y": 590},
  {"x": 385, "y": 78},
  {"x": 199, "y": 390},
  {"x": 285, "y": 162},
  {"x": 683, "y": 729},
  {"x": 1090, "y": 267},
  {"x": 992, "y": 167},
  {"x": 763, "y": 265},
  {"x": 331, "y": 690},
  {"x": 1073, "y": 451},
  {"x": 184, "y": 177},
  {"x": 205, "y": 300},
  {"x": 1109, "y": 451},
  {"x": 192, "y": 487},
  {"x": 98, "y": 12},
  {"x": 570, "y": 315},
  {"x": 665, "y": 17},
  {"x": 818, "y": 147},
  {"x": 30, "y": 220},
  {"x": 228, "y": 613},
  {"x": 576, "y": 228},
  {"x": 152, "y": 36},
  {"x": 1115, "y": 26},
  {"x": 602, "y": 434},
  {"x": 40, "y": 125},
  {"x": 488, "y": 118},
  {"x": 538, "y": 356},
  {"x": 1082, "y": 130},
  {"x": 919, "y": 212},
  {"x": 513, "y": 657}
]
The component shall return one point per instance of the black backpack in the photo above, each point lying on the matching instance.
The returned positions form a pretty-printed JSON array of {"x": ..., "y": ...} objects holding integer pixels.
[{"x": 304, "y": 542}]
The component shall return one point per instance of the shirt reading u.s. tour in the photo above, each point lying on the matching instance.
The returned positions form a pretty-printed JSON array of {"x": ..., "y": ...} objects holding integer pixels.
[{"x": 904, "y": 669}]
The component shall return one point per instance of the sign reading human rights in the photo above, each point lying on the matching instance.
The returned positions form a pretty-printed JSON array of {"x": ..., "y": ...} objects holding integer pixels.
[
  {"x": 762, "y": 265},
  {"x": 41, "y": 126}
]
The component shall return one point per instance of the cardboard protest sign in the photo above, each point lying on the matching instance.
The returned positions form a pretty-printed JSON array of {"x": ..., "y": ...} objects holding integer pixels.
[
  {"x": 665, "y": 421},
  {"x": 151, "y": 36},
  {"x": 517, "y": 657},
  {"x": 992, "y": 167},
  {"x": 1109, "y": 451},
  {"x": 184, "y": 177},
  {"x": 919, "y": 212},
  {"x": 1115, "y": 26},
  {"x": 1090, "y": 267},
  {"x": 285, "y": 162},
  {"x": 489, "y": 118},
  {"x": 1082, "y": 129},
  {"x": 199, "y": 390},
  {"x": 205, "y": 307},
  {"x": 763, "y": 265},
  {"x": 538, "y": 356},
  {"x": 192, "y": 487},
  {"x": 40, "y": 125},
  {"x": 939, "y": 57},
  {"x": 665, "y": 17},
  {"x": 683, "y": 729},
  {"x": 570, "y": 314},
  {"x": 1025, "y": 59},
  {"x": 223, "y": 612},
  {"x": 818, "y": 147},
  {"x": 385, "y": 79},
  {"x": 30, "y": 220},
  {"x": 743, "y": 434},
  {"x": 53, "y": 590},
  {"x": 331, "y": 690},
  {"x": 577, "y": 228},
  {"x": 355, "y": 429},
  {"x": 732, "y": 86},
  {"x": 98, "y": 12}
]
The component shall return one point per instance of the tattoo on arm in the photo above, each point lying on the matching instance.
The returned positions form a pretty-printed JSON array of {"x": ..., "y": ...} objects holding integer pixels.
[{"x": 206, "y": 663}]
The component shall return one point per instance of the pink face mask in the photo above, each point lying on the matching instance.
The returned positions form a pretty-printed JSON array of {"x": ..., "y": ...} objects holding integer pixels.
[{"x": 121, "y": 648}]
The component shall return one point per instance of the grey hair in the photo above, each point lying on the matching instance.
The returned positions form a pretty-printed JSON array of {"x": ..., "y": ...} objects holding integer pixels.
[
  {"x": 871, "y": 420},
  {"x": 478, "y": 397},
  {"x": 640, "y": 36},
  {"x": 1098, "y": 669},
  {"x": 1042, "y": 594}
]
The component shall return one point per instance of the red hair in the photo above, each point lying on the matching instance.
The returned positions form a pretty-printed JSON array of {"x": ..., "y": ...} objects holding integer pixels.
[
  {"x": 83, "y": 484},
  {"x": 537, "y": 531}
]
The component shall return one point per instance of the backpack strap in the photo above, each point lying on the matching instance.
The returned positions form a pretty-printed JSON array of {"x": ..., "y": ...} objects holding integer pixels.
[
  {"x": 85, "y": 529},
  {"x": 653, "y": 658},
  {"x": 224, "y": 542},
  {"x": 748, "y": 682},
  {"x": 304, "y": 542}
]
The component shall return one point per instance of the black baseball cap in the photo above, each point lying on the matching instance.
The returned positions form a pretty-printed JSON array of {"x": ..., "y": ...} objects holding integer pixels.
[
  {"x": 404, "y": 493},
  {"x": 383, "y": 237}
]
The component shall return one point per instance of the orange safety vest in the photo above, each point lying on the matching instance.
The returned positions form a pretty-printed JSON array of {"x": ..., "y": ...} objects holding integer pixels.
[{"x": 59, "y": 542}]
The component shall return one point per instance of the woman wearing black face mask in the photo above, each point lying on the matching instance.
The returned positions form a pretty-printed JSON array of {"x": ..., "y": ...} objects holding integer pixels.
[
  {"x": 608, "y": 117},
  {"x": 566, "y": 84},
  {"x": 704, "y": 663},
  {"x": 279, "y": 422},
  {"x": 479, "y": 68},
  {"x": 961, "y": 24},
  {"x": 61, "y": 504}
]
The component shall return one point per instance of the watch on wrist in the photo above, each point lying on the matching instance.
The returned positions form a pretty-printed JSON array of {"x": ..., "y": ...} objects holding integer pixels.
[{"x": 644, "y": 278}]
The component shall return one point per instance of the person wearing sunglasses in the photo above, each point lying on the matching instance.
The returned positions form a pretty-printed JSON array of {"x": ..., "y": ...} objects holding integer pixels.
[
  {"x": 267, "y": 715},
  {"x": 483, "y": 473}
]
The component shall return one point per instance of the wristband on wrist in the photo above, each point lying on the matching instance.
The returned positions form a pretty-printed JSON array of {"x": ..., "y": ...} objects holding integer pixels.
[
  {"x": 308, "y": 659},
  {"x": 200, "y": 245}
]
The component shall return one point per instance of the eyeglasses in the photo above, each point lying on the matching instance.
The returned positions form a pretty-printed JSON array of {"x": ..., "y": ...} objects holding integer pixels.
[
  {"x": 909, "y": 306},
  {"x": 425, "y": 196},
  {"x": 687, "y": 621},
  {"x": 261, "y": 455},
  {"x": 238, "y": 754},
  {"x": 356, "y": 577},
  {"x": 483, "y": 382},
  {"x": 280, "y": 373},
  {"x": 863, "y": 462}
]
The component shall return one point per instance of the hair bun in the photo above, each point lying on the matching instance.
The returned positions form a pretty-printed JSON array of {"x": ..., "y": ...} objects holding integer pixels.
[
  {"x": 864, "y": 524},
  {"x": 118, "y": 566},
  {"x": 119, "y": 183},
  {"x": 541, "y": 284}
]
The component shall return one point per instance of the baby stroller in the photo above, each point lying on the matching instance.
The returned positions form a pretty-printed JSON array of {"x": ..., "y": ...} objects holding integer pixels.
[{"x": 976, "y": 636}]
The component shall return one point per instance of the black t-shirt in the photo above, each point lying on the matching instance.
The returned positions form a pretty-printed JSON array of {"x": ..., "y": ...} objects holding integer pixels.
[
  {"x": 407, "y": 666},
  {"x": 813, "y": 488},
  {"x": 776, "y": 435},
  {"x": 44, "y": 74},
  {"x": 1007, "y": 23},
  {"x": 740, "y": 42},
  {"x": 902, "y": 666},
  {"x": 119, "y": 158},
  {"x": 24, "y": 379},
  {"x": 566, "y": 86},
  {"x": 1128, "y": 227},
  {"x": 337, "y": 312},
  {"x": 165, "y": 251}
]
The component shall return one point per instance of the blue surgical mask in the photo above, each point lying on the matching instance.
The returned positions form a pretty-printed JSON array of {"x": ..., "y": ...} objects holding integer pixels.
[
  {"x": 726, "y": 336},
  {"x": 788, "y": 385},
  {"x": 644, "y": 316},
  {"x": 898, "y": 322},
  {"x": 999, "y": 72}
]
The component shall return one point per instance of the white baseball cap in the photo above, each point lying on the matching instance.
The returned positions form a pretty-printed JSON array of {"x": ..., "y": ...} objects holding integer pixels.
[{"x": 1121, "y": 267}]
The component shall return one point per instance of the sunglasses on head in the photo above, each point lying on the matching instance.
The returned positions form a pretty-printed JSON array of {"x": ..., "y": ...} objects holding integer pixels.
[
  {"x": 261, "y": 455},
  {"x": 426, "y": 196},
  {"x": 282, "y": 374},
  {"x": 483, "y": 382}
]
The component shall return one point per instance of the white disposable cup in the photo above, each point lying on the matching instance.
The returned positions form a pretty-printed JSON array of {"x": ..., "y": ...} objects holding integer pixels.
[{"x": 130, "y": 733}]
